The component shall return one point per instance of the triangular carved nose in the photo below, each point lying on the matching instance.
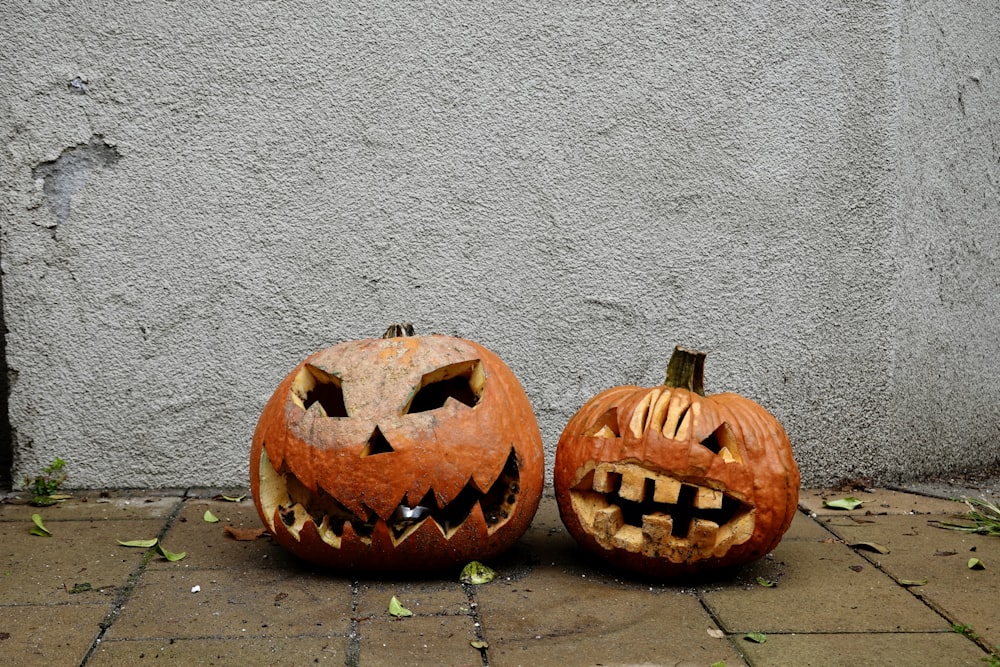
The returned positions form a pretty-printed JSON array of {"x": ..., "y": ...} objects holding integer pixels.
[{"x": 377, "y": 444}]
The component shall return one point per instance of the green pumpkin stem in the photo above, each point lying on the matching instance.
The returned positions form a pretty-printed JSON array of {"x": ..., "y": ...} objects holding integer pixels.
[
  {"x": 686, "y": 370},
  {"x": 400, "y": 330}
]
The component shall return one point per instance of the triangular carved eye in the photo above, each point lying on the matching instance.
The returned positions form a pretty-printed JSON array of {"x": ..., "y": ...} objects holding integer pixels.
[
  {"x": 722, "y": 441},
  {"x": 319, "y": 392},
  {"x": 463, "y": 382},
  {"x": 606, "y": 426}
]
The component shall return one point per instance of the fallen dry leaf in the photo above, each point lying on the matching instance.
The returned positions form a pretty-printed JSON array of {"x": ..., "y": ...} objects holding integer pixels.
[
  {"x": 244, "y": 534},
  {"x": 870, "y": 546}
]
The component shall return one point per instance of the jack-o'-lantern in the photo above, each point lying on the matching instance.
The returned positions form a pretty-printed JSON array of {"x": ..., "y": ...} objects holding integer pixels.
[
  {"x": 666, "y": 481},
  {"x": 397, "y": 453}
]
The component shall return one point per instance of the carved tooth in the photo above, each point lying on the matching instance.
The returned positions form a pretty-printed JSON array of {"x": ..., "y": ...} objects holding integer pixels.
[
  {"x": 608, "y": 520},
  {"x": 633, "y": 485},
  {"x": 703, "y": 532},
  {"x": 628, "y": 538},
  {"x": 605, "y": 479},
  {"x": 667, "y": 490},
  {"x": 326, "y": 533},
  {"x": 708, "y": 499},
  {"x": 657, "y": 527},
  {"x": 736, "y": 531}
]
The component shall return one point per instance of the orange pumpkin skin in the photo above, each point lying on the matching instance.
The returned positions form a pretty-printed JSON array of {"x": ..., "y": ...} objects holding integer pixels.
[
  {"x": 399, "y": 454},
  {"x": 663, "y": 481}
]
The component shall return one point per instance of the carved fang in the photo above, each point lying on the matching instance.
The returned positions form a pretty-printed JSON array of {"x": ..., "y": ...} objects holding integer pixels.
[{"x": 287, "y": 501}]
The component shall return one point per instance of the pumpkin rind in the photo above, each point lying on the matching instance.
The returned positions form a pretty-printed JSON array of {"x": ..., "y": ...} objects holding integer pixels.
[
  {"x": 384, "y": 483},
  {"x": 663, "y": 481}
]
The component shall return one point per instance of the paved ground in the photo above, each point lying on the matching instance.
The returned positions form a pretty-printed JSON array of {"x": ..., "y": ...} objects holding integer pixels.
[{"x": 78, "y": 598}]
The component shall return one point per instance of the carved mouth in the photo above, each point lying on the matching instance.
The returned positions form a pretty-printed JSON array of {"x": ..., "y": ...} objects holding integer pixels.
[
  {"x": 627, "y": 506},
  {"x": 296, "y": 505}
]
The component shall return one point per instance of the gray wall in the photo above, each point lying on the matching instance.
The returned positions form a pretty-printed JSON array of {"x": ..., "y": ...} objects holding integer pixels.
[{"x": 196, "y": 195}]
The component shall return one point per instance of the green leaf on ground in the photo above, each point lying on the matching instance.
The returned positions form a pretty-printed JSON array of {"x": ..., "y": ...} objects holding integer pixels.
[
  {"x": 140, "y": 544},
  {"x": 976, "y": 564},
  {"x": 848, "y": 503},
  {"x": 234, "y": 499},
  {"x": 721, "y": 663},
  {"x": 397, "y": 609},
  {"x": 913, "y": 582},
  {"x": 476, "y": 643},
  {"x": 81, "y": 588},
  {"x": 477, "y": 573},
  {"x": 755, "y": 637},
  {"x": 169, "y": 555},
  {"x": 39, "y": 528},
  {"x": 209, "y": 517},
  {"x": 766, "y": 583}
]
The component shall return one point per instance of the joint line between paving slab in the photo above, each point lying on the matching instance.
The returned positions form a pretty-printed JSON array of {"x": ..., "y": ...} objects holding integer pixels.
[
  {"x": 730, "y": 637},
  {"x": 477, "y": 624},
  {"x": 353, "y": 657},
  {"x": 132, "y": 582},
  {"x": 872, "y": 559}
]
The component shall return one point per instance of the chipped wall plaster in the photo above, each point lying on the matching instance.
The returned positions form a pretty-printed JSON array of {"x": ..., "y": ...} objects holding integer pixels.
[{"x": 65, "y": 175}]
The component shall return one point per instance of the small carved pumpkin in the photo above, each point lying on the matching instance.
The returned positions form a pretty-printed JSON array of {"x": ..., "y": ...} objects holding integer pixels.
[
  {"x": 666, "y": 481},
  {"x": 399, "y": 453}
]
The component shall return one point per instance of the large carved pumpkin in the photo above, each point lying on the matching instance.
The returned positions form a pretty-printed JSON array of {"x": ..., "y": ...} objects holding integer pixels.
[
  {"x": 399, "y": 453},
  {"x": 666, "y": 481}
]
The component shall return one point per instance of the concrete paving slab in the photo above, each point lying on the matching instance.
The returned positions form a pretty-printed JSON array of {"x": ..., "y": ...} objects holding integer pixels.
[
  {"x": 418, "y": 640},
  {"x": 876, "y": 501},
  {"x": 546, "y": 543},
  {"x": 48, "y": 634},
  {"x": 824, "y": 587},
  {"x": 918, "y": 550},
  {"x": 272, "y": 651},
  {"x": 208, "y": 547},
  {"x": 864, "y": 650},
  {"x": 40, "y": 570},
  {"x": 550, "y": 604},
  {"x": 234, "y": 604},
  {"x": 805, "y": 529},
  {"x": 424, "y": 598},
  {"x": 548, "y": 618},
  {"x": 93, "y": 506}
]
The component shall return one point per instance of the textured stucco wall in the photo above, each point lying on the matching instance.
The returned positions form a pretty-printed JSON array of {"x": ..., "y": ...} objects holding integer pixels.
[
  {"x": 196, "y": 195},
  {"x": 946, "y": 398}
]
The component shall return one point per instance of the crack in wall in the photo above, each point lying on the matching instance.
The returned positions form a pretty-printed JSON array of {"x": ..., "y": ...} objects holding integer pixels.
[{"x": 64, "y": 176}]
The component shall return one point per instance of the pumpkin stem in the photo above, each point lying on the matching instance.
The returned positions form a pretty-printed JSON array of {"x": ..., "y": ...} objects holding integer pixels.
[
  {"x": 399, "y": 330},
  {"x": 686, "y": 370}
]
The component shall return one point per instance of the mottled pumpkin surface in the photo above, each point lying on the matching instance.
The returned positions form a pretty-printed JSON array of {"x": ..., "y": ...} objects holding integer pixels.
[
  {"x": 408, "y": 453},
  {"x": 664, "y": 481}
]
